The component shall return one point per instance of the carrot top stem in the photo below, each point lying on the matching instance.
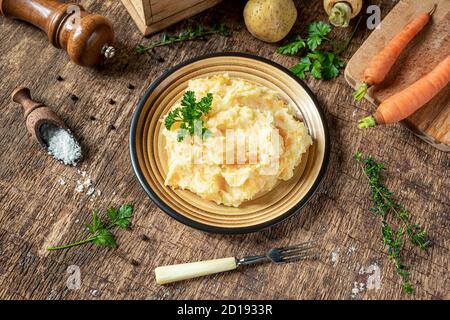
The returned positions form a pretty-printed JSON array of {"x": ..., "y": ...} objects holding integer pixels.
[
  {"x": 361, "y": 91},
  {"x": 367, "y": 122}
]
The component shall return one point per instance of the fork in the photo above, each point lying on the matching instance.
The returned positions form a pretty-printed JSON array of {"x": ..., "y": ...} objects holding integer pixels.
[{"x": 178, "y": 272}]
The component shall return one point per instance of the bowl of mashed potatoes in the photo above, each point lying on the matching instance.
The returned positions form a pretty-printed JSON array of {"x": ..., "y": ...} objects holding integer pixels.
[{"x": 229, "y": 143}]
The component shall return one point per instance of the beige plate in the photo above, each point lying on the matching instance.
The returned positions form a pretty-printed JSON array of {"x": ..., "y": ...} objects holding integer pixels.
[{"x": 149, "y": 156}]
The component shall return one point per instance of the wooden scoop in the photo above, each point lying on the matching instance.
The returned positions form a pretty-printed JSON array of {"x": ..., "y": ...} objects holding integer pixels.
[{"x": 36, "y": 114}]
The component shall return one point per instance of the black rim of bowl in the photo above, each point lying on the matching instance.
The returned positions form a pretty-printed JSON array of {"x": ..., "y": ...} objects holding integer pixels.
[{"x": 209, "y": 228}]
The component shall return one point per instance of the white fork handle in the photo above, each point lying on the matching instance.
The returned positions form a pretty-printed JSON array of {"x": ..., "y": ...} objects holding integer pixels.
[{"x": 178, "y": 272}]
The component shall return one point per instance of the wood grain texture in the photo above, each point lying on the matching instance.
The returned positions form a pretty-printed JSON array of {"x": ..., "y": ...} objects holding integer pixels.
[
  {"x": 431, "y": 45},
  {"x": 37, "y": 211}
]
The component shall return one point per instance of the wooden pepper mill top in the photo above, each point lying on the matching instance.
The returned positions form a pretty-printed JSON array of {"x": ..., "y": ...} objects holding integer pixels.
[{"x": 86, "y": 37}]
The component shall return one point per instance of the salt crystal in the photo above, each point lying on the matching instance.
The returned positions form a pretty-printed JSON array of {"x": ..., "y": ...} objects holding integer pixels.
[
  {"x": 351, "y": 250},
  {"x": 62, "y": 181},
  {"x": 90, "y": 191},
  {"x": 335, "y": 257},
  {"x": 355, "y": 290},
  {"x": 79, "y": 188},
  {"x": 95, "y": 292},
  {"x": 86, "y": 184},
  {"x": 61, "y": 144}
]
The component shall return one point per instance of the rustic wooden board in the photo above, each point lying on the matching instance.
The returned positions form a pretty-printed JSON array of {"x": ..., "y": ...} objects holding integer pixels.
[
  {"x": 432, "y": 122},
  {"x": 37, "y": 211},
  {"x": 144, "y": 9},
  {"x": 152, "y": 16}
]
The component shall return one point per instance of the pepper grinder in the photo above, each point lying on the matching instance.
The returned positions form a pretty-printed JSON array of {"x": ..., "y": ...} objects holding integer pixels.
[{"x": 86, "y": 37}]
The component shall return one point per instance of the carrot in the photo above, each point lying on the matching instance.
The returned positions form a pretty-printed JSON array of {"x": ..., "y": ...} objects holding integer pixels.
[
  {"x": 381, "y": 64},
  {"x": 404, "y": 103}
]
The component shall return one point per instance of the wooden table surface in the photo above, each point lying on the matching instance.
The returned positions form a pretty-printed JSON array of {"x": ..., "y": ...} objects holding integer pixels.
[{"x": 36, "y": 210}]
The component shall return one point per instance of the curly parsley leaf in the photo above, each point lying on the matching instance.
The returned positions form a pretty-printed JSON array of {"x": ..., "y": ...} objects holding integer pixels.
[
  {"x": 189, "y": 115},
  {"x": 100, "y": 232}
]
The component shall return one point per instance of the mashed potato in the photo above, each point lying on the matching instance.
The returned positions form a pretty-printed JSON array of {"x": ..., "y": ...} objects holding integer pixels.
[{"x": 255, "y": 142}]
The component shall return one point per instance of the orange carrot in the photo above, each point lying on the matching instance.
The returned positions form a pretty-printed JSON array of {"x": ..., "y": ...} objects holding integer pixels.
[
  {"x": 404, "y": 103},
  {"x": 381, "y": 64}
]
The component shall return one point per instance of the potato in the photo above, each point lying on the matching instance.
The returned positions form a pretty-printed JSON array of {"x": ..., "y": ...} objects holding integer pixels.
[{"x": 270, "y": 20}]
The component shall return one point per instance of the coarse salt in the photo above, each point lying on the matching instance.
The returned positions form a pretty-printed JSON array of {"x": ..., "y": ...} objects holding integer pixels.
[
  {"x": 61, "y": 144},
  {"x": 335, "y": 257},
  {"x": 86, "y": 185},
  {"x": 351, "y": 250},
  {"x": 90, "y": 192}
]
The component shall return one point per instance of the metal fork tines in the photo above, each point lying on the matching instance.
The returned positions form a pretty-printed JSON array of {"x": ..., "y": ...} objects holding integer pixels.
[
  {"x": 284, "y": 254},
  {"x": 293, "y": 253}
]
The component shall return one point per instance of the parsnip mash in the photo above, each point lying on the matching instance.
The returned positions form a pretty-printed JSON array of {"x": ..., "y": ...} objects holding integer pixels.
[{"x": 254, "y": 142}]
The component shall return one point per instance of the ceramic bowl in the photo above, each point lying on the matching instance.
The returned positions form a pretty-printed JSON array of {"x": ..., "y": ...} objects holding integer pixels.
[{"x": 149, "y": 158}]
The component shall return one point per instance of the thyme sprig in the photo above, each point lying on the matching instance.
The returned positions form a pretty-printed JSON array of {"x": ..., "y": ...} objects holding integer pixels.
[
  {"x": 385, "y": 204},
  {"x": 190, "y": 34}
]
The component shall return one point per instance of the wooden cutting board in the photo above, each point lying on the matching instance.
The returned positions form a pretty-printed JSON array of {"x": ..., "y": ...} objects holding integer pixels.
[{"x": 432, "y": 122}]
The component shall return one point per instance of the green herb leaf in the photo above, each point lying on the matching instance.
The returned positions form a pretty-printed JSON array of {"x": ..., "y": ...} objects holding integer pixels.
[
  {"x": 105, "y": 238},
  {"x": 316, "y": 70},
  {"x": 292, "y": 48},
  {"x": 331, "y": 65},
  {"x": 317, "y": 32},
  {"x": 181, "y": 134},
  {"x": 100, "y": 232},
  {"x": 322, "y": 64},
  {"x": 112, "y": 213},
  {"x": 124, "y": 216},
  {"x": 189, "y": 115},
  {"x": 300, "y": 68},
  {"x": 96, "y": 224}
]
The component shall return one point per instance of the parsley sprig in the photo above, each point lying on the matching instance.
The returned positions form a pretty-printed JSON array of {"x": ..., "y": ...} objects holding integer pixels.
[
  {"x": 189, "y": 115},
  {"x": 385, "y": 204},
  {"x": 321, "y": 64},
  {"x": 100, "y": 231},
  {"x": 190, "y": 34}
]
